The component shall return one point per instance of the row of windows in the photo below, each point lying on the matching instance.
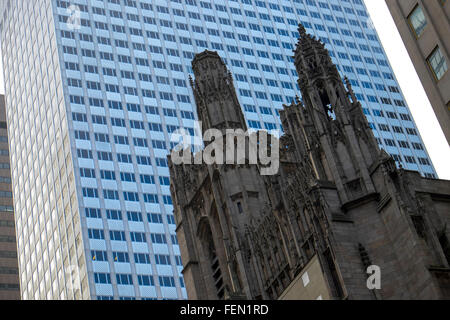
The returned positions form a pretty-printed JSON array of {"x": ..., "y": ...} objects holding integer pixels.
[
  {"x": 127, "y": 195},
  {"x": 117, "y": 235},
  {"x": 130, "y": 107},
  {"x": 124, "y": 140},
  {"x": 436, "y": 60},
  {"x": 406, "y": 158},
  {"x": 131, "y": 215},
  {"x": 121, "y": 157},
  {"x": 133, "y": 124},
  {"x": 206, "y": 5},
  {"x": 124, "y": 176},
  {"x": 74, "y": 66},
  {"x": 107, "y": 298},
  {"x": 132, "y": 91},
  {"x": 396, "y": 129},
  {"x": 220, "y": 8},
  {"x": 143, "y": 280},
  {"x": 5, "y": 194},
  {"x": 140, "y": 258},
  {"x": 406, "y": 145}
]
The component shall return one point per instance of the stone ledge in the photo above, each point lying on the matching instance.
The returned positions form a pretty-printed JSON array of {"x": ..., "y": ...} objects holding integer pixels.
[
  {"x": 374, "y": 196},
  {"x": 341, "y": 218},
  {"x": 383, "y": 202}
]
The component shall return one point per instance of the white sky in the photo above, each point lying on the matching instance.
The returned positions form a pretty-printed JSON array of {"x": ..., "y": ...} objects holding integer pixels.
[{"x": 416, "y": 98}]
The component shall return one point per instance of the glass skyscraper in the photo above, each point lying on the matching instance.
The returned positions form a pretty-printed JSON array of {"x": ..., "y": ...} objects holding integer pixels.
[{"x": 94, "y": 88}]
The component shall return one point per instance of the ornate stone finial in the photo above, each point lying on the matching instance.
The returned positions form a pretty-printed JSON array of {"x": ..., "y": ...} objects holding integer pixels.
[
  {"x": 230, "y": 76},
  {"x": 301, "y": 30},
  {"x": 191, "y": 81},
  {"x": 350, "y": 89},
  {"x": 364, "y": 256},
  {"x": 297, "y": 99},
  {"x": 347, "y": 82}
]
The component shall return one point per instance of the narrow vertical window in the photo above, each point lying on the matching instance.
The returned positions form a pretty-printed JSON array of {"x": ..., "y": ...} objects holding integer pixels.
[
  {"x": 436, "y": 62},
  {"x": 239, "y": 206},
  {"x": 417, "y": 20}
]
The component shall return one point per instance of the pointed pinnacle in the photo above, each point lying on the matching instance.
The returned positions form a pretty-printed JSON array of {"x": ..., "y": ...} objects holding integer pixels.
[{"x": 301, "y": 30}]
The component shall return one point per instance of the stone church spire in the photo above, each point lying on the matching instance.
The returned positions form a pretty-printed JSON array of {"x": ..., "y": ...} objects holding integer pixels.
[
  {"x": 339, "y": 141},
  {"x": 216, "y": 201},
  {"x": 312, "y": 58},
  {"x": 215, "y": 96}
]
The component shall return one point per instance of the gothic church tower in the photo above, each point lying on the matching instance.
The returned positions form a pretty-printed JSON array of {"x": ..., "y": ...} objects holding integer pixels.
[
  {"x": 338, "y": 206},
  {"x": 213, "y": 203}
]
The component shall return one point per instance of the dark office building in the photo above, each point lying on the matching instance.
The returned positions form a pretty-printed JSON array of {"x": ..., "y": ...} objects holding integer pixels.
[{"x": 9, "y": 275}]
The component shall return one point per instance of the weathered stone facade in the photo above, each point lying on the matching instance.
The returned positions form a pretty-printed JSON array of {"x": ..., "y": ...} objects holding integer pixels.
[{"x": 337, "y": 199}]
